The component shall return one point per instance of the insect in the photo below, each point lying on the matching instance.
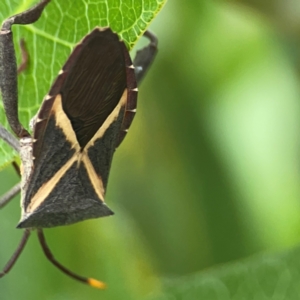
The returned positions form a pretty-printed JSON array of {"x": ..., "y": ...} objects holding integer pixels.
[{"x": 81, "y": 121}]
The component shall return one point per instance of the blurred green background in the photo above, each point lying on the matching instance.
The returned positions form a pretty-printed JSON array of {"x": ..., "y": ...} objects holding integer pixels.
[{"x": 209, "y": 172}]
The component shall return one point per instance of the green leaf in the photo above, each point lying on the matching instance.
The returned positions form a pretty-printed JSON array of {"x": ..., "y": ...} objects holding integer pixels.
[
  {"x": 50, "y": 41},
  {"x": 264, "y": 277}
]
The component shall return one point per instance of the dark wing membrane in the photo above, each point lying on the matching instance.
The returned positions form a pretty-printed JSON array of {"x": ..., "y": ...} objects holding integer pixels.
[{"x": 95, "y": 83}]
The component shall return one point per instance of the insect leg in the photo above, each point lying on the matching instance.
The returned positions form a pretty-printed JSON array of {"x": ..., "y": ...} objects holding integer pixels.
[
  {"x": 9, "y": 138},
  {"x": 4, "y": 134},
  {"x": 14, "y": 143},
  {"x": 17, "y": 168},
  {"x": 8, "y": 70},
  {"x": 10, "y": 195},
  {"x": 145, "y": 57},
  {"x": 90, "y": 281},
  {"x": 16, "y": 254}
]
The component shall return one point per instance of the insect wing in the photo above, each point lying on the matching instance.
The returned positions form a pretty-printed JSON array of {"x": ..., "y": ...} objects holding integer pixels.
[{"x": 80, "y": 123}]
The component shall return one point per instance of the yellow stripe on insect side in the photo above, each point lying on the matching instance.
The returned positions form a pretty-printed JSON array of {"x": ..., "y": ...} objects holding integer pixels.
[
  {"x": 96, "y": 181},
  {"x": 64, "y": 123},
  {"x": 109, "y": 120},
  {"x": 45, "y": 190}
]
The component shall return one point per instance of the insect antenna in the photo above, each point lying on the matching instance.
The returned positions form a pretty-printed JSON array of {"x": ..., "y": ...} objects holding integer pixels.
[
  {"x": 16, "y": 254},
  {"x": 90, "y": 281}
]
